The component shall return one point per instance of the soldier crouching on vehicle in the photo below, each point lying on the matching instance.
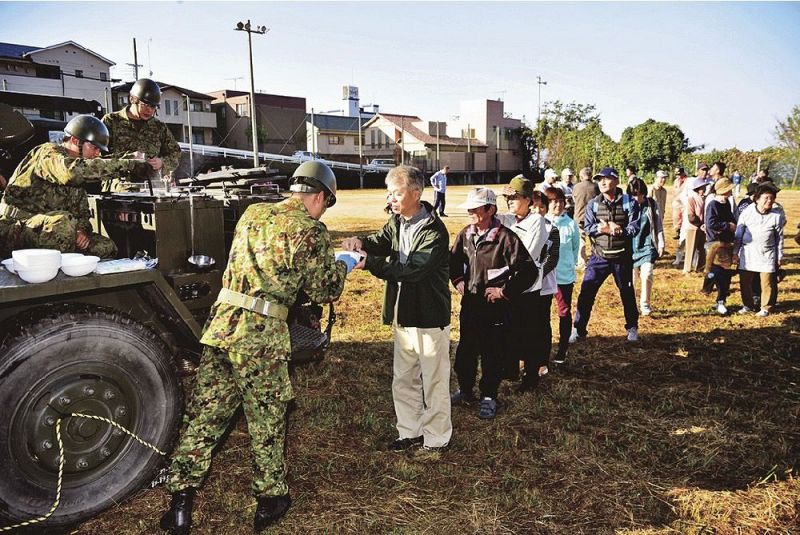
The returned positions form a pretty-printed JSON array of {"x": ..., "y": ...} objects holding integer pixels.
[
  {"x": 278, "y": 250},
  {"x": 45, "y": 204}
]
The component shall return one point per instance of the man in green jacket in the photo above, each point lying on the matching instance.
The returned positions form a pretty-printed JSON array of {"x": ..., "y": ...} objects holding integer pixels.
[{"x": 411, "y": 254}]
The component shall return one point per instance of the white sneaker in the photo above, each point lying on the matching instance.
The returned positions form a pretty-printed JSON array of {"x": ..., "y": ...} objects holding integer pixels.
[
  {"x": 646, "y": 310},
  {"x": 763, "y": 313},
  {"x": 721, "y": 308},
  {"x": 633, "y": 334},
  {"x": 745, "y": 310},
  {"x": 573, "y": 337}
]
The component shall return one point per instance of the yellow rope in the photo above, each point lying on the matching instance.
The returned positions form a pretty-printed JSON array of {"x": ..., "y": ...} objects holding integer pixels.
[{"x": 61, "y": 465}]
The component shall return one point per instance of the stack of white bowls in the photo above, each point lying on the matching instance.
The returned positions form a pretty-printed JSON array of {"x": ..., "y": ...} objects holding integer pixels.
[
  {"x": 37, "y": 265},
  {"x": 77, "y": 265}
]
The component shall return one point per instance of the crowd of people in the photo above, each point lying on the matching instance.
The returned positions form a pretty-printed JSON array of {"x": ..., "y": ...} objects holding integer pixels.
[{"x": 507, "y": 266}]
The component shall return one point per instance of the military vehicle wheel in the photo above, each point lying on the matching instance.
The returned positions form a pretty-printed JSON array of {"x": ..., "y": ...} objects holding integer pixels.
[{"x": 81, "y": 359}]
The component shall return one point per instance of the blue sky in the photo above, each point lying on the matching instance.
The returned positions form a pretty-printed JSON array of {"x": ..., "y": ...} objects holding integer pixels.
[{"x": 724, "y": 72}]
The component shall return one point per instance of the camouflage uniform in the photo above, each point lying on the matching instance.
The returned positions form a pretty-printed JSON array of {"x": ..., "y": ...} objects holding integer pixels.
[
  {"x": 45, "y": 203},
  {"x": 151, "y": 137},
  {"x": 277, "y": 251}
]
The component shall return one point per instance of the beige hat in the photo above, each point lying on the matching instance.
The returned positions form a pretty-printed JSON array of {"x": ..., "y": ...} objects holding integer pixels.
[{"x": 723, "y": 186}]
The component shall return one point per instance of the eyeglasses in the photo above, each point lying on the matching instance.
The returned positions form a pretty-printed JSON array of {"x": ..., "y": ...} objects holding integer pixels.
[
  {"x": 512, "y": 197},
  {"x": 145, "y": 105}
]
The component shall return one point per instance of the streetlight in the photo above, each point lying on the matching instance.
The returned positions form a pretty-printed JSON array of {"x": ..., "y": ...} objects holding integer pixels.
[
  {"x": 540, "y": 83},
  {"x": 245, "y": 27}
]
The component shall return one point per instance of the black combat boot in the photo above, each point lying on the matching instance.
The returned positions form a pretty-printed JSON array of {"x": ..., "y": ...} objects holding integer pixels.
[
  {"x": 270, "y": 509},
  {"x": 178, "y": 520}
]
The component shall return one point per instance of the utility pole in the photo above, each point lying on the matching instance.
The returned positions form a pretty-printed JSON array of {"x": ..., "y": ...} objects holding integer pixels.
[
  {"x": 402, "y": 140},
  {"x": 360, "y": 152},
  {"x": 191, "y": 150},
  {"x": 261, "y": 30},
  {"x": 234, "y": 81},
  {"x": 438, "y": 163},
  {"x": 540, "y": 83},
  {"x": 313, "y": 137},
  {"x": 135, "y": 63},
  {"x": 469, "y": 155}
]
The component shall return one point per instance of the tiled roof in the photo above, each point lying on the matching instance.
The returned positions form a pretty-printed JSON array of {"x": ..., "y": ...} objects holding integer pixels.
[
  {"x": 335, "y": 122},
  {"x": 405, "y": 122},
  {"x": 11, "y": 50},
  {"x": 126, "y": 87}
]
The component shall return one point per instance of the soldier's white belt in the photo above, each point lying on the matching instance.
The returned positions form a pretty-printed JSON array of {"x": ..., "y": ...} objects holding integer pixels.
[{"x": 254, "y": 304}]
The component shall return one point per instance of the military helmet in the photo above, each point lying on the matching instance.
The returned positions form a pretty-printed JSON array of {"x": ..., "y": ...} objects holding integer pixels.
[
  {"x": 147, "y": 91},
  {"x": 88, "y": 128},
  {"x": 312, "y": 177}
]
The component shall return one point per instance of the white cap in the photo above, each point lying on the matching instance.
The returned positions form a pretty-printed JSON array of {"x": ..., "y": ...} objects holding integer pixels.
[
  {"x": 661, "y": 174},
  {"x": 550, "y": 173},
  {"x": 479, "y": 197},
  {"x": 566, "y": 172}
]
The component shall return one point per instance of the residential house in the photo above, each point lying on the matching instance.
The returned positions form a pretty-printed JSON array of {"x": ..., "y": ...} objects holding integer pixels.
[
  {"x": 173, "y": 111},
  {"x": 334, "y": 137},
  {"x": 280, "y": 120},
  {"x": 424, "y": 144},
  {"x": 66, "y": 69}
]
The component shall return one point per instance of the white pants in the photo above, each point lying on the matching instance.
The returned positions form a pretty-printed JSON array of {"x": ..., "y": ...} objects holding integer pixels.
[
  {"x": 646, "y": 273},
  {"x": 421, "y": 384}
]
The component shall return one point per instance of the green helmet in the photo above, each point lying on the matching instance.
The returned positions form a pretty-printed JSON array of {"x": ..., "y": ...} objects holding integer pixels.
[
  {"x": 147, "y": 91},
  {"x": 312, "y": 177},
  {"x": 88, "y": 128}
]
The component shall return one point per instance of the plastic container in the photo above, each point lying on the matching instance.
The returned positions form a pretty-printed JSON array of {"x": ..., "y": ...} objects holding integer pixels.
[
  {"x": 77, "y": 266},
  {"x": 37, "y": 274},
  {"x": 25, "y": 259}
]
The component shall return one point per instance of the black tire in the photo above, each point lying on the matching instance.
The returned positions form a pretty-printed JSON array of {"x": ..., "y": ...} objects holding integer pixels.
[{"x": 76, "y": 358}]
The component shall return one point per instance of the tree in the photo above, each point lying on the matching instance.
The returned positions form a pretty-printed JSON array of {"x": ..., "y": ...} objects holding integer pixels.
[
  {"x": 788, "y": 134},
  {"x": 654, "y": 145}
]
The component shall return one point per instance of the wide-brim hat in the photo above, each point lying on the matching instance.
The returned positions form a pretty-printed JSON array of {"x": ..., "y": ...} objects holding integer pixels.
[
  {"x": 697, "y": 183},
  {"x": 723, "y": 186},
  {"x": 479, "y": 197}
]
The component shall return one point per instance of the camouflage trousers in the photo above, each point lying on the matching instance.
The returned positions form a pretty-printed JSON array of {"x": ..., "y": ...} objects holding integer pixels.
[
  {"x": 52, "y": 230},
  {"x": 226, "y": 380}
]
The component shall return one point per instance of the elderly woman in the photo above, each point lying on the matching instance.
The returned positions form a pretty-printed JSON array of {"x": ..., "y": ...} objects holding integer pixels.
[
  {"x": 648, "y": 243},
  {"x": 758, "y": 247},
  {"x": 568, "y": 249},
  {"x": 489, "y": 267},
  {"x": 526, "y": 313}
]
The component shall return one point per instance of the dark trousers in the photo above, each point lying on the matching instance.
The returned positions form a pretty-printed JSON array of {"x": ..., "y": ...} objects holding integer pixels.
[
  {"x": 438, "y": 201},
  {"x": 720, "y": 277},
  {"x": 541, "y": 336},
  {"x": 564, "y": 308},
  {"x": 484, "y": 340},
  {"x": 597, "y": 271}
]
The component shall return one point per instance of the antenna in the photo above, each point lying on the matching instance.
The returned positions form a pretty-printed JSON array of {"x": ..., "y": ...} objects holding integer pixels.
[
  {"x": 502, "y": 94},
  {"x": 149, "y": 63},
  {"x": 234, "y": 80}
]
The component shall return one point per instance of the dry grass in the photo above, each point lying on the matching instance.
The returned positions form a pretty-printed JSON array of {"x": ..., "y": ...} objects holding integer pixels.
[{"x": 693, "y": 430}]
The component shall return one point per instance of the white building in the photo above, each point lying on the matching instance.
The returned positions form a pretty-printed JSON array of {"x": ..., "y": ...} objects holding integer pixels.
[{"x": 65, "y": 69}]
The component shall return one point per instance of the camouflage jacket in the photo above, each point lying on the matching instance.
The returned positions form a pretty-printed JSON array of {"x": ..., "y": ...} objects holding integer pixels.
[
  {"x": 277, "y": 251},
  {"x": 151, "y": 137},
  {"x": 48, "y": 179}
]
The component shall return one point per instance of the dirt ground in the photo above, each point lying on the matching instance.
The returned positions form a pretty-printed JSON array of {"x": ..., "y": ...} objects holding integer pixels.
[{"x": 691, "y": 430}]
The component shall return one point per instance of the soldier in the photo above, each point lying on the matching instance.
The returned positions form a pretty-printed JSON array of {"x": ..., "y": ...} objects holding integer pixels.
[
  {"x": 136, "y": 129},
  {"x": 45, "y": 204},
  {"x": 277, "y": 251}
]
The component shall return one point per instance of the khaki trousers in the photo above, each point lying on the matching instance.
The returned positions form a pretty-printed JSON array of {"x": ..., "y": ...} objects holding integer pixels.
[
  {"x": 769, "y": 289},
  {"x": 695, "y": 250},
  {"x": 421, "y": 384}
]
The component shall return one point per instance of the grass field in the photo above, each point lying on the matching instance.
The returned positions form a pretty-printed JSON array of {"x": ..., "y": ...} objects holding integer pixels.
[{"x": 692, "y": 430}]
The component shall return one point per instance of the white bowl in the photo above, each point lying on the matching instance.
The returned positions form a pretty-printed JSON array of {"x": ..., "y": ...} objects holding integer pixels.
[
  {"x": 9, "y": 265},
  {"x": 65, "y": 256},
  {"x": 36, "y": 258},
  {"x": 37, "y": 274},
  {"x": 77, "y": 266}
]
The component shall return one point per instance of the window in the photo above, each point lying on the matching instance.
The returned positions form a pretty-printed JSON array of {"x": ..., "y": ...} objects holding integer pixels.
[
  {"x": 372, "y": 136},
  {"x": 167, "y": 109},
  {"x": 197, "y": 137},
  {"x": 103, "y": 77},
  {"x": 175, "y": 106},
  {"x": 196, "y": 105},
  {"x": 241, "y": 110},
  {"x": 468, "y": 133},
  {"x": 122, "y": 100},
  {"x": 78, "y": 73},
  {"x": 335, "y": 140}
]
